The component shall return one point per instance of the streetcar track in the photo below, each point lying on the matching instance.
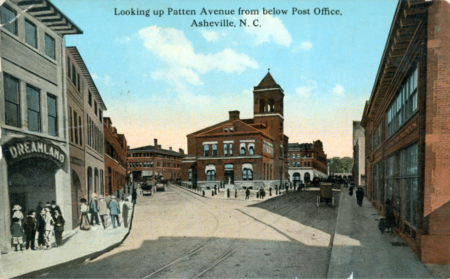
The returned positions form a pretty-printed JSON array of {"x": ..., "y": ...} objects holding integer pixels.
[{"x": 229, "y": 251}]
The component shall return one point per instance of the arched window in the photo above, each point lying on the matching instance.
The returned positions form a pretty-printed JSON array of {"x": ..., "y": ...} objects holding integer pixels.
[
  {"x": 247, "y": 171},
  {"x": 262, "y": 106},
  {"x": 206, "y": 150},
  {"x": 96, "y": 187},
  {"x": 296, "y": 176},
  {"x": 271, "y": 105},
  {"x": 251, "y": 149},
  {"x": 242, "y": 150},
  {"x": 89, "y": 182},
  {"x": 210, "y": 175}
]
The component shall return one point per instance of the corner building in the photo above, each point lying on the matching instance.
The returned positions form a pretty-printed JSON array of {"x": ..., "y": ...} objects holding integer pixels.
[
  {"x": 407, "y": 128},
  {"x": 115, "y": 159},
  {"x": 34, "y": 155},
  {"x": 241, "y": 153},
  {"x": 306, "y": 162}
]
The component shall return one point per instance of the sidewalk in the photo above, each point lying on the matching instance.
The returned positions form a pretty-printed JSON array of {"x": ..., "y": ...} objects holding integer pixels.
[
  {"x": 77, "y": 247},
  {"x": 360, "y": 249}
]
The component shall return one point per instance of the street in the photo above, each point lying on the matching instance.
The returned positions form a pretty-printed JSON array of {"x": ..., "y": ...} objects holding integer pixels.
[{"x": 178, "y": 234}]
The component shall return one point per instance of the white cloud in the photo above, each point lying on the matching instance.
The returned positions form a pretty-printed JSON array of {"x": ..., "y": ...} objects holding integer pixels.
[
  {"x": 183, "y": 63},
  {"x": 105, "y": 79},
  {"x": 210, "y": 36},
  {"x": 338, "y": 90},
  {"x": 306, "y": 45},
  {"x": 272, "y": 29},
  {"x": 305, "y": 91}
]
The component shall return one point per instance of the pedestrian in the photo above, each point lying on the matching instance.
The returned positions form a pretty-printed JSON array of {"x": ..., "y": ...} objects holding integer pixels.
[
  {"x": 58, "y": 223},
  {"x": 263, "y": 193},
  {"x": 17, "y": 233},
  {"x": 103, "y": 210},
  {"x": 84, "y": 208},
  {"x": 17, "y": 213},
  {"x": 41, "y": 229},
  {"x": 54, "y": 208},
  {"x": 140, "y": 190},
  {"x": 38, "y": 211},
  {"x": 93, "y": 209},
  {"x": 247, "y": 194},
  {"x": 235, "y": 193},
  {"x": 276, "y": 190},
  {"x": 114, "y": 211},
  {"x": 29, "y": 228},
  {"x": 350, "y": 190},
  {"x": 270, "y": 191},
  {"x": 48, "y": 205},
  {"x": 390, "y": 218},
  {"x": 228, "y": 192},
  {"x": 359, "y": 196},
  {"x": 48, "y": 227},
  {"x": 257, "y": 194},
  {"x": 134, "y": 196},
  {"x": 126, "y": 207}
]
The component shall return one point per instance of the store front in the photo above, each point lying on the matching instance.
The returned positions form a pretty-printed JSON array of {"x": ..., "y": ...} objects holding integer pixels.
[{"x": 36, "y": 170}]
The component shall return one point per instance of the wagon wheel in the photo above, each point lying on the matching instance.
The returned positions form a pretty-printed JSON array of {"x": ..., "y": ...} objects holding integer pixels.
[{"x": 318, "y": 201}]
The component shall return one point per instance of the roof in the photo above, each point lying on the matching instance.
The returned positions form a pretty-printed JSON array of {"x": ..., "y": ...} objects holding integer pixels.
[
  {"x": 90, "y": 81},
  {"x": 268, "y": 82},
  {"x": 49, "y": 15},
  {"x": 300, "y": 145},
  {"x": 153, "y": 149}
]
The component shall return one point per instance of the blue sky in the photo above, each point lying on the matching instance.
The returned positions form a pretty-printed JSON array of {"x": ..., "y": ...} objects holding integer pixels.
[{"x": 161, "y": 78}]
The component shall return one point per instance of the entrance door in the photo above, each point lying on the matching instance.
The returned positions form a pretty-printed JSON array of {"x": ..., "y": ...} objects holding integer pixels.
[{"x": 229, "y": 174}]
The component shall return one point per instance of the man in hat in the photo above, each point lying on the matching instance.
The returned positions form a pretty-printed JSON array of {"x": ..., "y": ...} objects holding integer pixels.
[
  {"x": 93, "y": 209},
  {"x": 102, "y": 210},
  {"x": 114, "y": 211},
  {"x": 54, "y": 208}
]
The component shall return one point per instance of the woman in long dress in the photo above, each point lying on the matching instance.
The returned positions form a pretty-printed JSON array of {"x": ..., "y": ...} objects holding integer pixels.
[{"x": 84, "y": 216}]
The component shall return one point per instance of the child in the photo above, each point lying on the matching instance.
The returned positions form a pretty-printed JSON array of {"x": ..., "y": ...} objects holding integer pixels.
[
  {"x": 58, "y": 222},
  {"x": 30, "y": 227},
  {"x": 17, "y": 213},
  {"x": 17, "y": 233}
]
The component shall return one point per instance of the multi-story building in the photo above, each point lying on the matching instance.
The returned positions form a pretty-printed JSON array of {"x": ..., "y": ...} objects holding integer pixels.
[
  {"x": 407, "y": 128},
  {"x": 242, "y": 152},
  {"x": 307, "y": 161},
  {"x": 115, "y": 159},
  {"x": 359, "y": 160},
  {"x": 149, "y": 162},
  {"x": 34, "y": 158}
]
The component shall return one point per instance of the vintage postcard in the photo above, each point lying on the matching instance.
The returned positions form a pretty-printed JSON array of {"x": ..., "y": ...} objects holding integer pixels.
[{"x": 224, "y": 139}]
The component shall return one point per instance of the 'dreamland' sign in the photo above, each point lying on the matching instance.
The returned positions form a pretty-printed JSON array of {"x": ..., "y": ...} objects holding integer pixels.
[{"x": 24, "y": 148}]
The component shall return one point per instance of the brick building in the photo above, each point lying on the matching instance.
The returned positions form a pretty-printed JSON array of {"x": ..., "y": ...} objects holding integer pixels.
[
  {"x": 359, "y": 160},
  {"x": 241, "y": 152},
  {"x": 115, "y": 158},
  {"x": 407, "y": 128},
  {"x": 149, "y": 162},
  {"x": 307, "y": 161},
  {"x": 34, "y": 139}
]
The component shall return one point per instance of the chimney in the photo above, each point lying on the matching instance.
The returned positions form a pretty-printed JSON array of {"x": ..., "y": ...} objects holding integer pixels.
[
  {"x": 234, "y": 114},
  {"x": 170, "y": 148},
  {"x": 159, "y": 147},
  {"x": 155, "y": 143},
  {"x": 181, "y": 151}
]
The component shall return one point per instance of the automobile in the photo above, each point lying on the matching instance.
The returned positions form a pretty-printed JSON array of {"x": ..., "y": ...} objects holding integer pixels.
[
  {"x": 161, "y": 184},
  {"x": 146, "y": 189}
]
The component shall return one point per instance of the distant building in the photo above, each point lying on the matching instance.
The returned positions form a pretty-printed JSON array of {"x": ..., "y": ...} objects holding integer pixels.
[
  {"x": 359, "y": 158},
  {"x": 242, "y": 152},
  {"x": 307, "y": 161},
  {"x": 407, "y": 128},
  {"x": 34, "y": 139},
  {"x": 115, "y": 159},
  {"x": 147, "y": 163}
]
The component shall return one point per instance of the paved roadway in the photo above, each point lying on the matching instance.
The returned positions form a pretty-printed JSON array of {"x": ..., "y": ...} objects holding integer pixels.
[{"x": 178, "y": 234}]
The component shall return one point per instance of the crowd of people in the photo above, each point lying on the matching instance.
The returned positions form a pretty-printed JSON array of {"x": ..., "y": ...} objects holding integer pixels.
[{"x": 41, "y": 229}]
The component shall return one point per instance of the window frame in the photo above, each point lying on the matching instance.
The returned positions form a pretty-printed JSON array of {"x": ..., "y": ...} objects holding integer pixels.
[
  {"x": 35, "y": 45},
  {"x": 52, "y": 54},
  {"x": 55, "y": 98},
  {"x": 5, "y": 23},
  {"x": 17, "y": 105},
  {"x": 39, "y": 122}
]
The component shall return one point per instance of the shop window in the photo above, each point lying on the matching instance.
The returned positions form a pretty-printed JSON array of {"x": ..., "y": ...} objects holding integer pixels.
[
  {"x": 52, "y": 118},
  {"x": 30, "y": 34},
  {"x": 214, "y": 150},
  {"x": 49, "y": 46},
  {"x": 12, "y": 101},
  {"x": 206, "y": 150},
  {"x": 34, "y": 110},
  {"x": 7, "y": 16}
]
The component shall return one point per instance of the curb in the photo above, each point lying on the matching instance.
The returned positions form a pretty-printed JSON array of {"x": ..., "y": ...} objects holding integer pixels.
[
  {"x": 341, "y": 197},
  {"x": 82, "y": 259}
]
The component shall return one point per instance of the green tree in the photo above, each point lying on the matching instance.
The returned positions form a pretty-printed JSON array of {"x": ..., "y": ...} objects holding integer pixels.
[{"x": 339, "y": 165}]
